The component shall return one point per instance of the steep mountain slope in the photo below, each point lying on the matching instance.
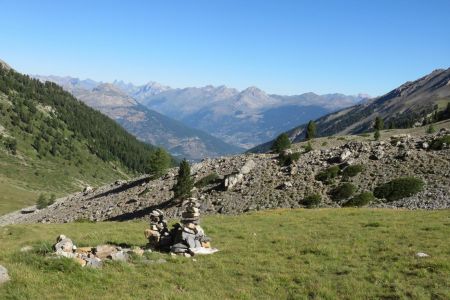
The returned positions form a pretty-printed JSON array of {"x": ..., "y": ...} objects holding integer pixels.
[
  {"x": 51, "y": 142},
  {"x": 408, "y": 105},
  {"x": 244, "y": 118},
  {"x": 144, "y": 123}
]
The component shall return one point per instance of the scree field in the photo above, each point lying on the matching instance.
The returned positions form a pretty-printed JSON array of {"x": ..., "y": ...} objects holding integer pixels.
[{"x": 279, "y": 254}]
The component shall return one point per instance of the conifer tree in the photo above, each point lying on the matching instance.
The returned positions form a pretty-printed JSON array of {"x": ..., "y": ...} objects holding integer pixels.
[
  {"x": 281, "y": 143},
  {"x": 379, "y": 124},
  {"x": 376, "y": 135},
  {"x": 184, "y": 185},
  {"x": 311, "y": 130},
  {"x": 159, "y": 162}
]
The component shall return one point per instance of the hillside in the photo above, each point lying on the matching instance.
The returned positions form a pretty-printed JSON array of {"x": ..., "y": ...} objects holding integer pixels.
[
  {"x": 52, "y": 143},
  {"x": 258, "y": 181},
  {"x": 146, "y": 124},
  {"x": 282, "y": 254}
]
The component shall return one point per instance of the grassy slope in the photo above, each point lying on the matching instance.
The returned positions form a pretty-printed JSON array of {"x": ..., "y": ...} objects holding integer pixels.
[
  {"x": 326, "y": 254},
  {"x": 24, "y": 176}
]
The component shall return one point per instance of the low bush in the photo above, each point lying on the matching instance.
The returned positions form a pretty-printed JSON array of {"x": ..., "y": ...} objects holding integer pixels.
[
  {"x": 399, "y": 188},
  {"x": 207, "y": 180},
  {"x": 438, "y": 144},
  {"x": 343, "y": 191},
  {"x": 352, "y": 170},
  {"x": 328, "y": 174},
  {"x": 360, "y": 200},
  {"x": 312, "y": 200},
  {"x": 288, "y": 159},
  {"x": 308, "y": 147},
  {"x": 43, "y": 201}
]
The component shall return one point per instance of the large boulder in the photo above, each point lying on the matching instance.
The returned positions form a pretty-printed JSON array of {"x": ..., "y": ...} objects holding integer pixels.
[
  {"x": 4, "y": 277},
  {"x": 231, "y": 180},
  {"x": 248, "y": 167}
]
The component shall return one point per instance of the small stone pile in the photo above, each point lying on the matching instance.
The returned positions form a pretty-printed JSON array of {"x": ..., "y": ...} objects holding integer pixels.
[{"x": 92, "y": 256}]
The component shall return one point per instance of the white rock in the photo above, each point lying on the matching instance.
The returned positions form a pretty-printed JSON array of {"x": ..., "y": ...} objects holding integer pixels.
[
  {"x": 4, "y": 277},
  {"x": 421, "y": 254}
]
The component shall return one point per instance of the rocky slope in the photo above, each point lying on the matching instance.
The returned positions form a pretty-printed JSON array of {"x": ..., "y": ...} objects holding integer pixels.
[
  {"x": 257, "y": 181},
  {"x": 146, "y": 124}
]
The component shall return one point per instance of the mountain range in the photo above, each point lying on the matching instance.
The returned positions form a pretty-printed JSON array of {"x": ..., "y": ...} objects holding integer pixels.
[
  {"x": 242, "y": 118},
  {"x": 198, "y": 122}
]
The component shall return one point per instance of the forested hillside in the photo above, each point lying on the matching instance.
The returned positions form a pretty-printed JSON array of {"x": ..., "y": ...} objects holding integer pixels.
[{"x": 53, "y": 143}]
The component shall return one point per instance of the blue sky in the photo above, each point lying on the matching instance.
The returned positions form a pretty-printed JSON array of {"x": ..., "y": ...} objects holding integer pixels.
[{"x": 284, "y": 47}]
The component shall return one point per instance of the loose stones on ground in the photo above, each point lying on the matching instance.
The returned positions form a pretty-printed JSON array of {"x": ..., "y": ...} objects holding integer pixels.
[{"x": 4, "y": 276}]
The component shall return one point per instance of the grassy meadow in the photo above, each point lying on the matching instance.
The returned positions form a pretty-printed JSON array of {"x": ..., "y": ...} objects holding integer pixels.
[{"x": 279, "y": 254}]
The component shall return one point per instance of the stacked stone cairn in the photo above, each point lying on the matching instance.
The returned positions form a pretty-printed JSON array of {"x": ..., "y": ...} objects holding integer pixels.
[
  {"x": 188, "y": 236},
  {"x": 185, "y": 238},
  {"x": 158, "y": 235}
]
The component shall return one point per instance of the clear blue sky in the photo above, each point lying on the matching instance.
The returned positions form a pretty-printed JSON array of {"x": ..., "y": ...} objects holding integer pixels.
[{"x": 285, "y": 47}]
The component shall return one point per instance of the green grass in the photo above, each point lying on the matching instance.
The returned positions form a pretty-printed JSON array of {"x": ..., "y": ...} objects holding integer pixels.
[
  {"x": 13, "y": 197},
  {"x": 281, "y": 254}
]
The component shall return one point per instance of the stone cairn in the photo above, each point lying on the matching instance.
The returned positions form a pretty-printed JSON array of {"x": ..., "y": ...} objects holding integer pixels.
[{"x": 185, "y": 238}]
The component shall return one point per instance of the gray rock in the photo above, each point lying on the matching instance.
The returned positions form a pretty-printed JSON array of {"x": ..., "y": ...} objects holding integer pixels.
[
  {"x": 4, "y": 276},
  {"x": 63, "y": 244},
  {"x": 104, "y": 251},
  {"x": 28, "y": 210},
  {"x": 345, "y": 155},
  {"x": 119, "y": 256},
  {"x": 93, "y": 262},
  {"x": 248, "y": 167}
]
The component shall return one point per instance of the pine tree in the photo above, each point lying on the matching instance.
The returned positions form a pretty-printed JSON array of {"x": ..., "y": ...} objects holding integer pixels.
[
  {"x": 281, "y": 143},
  {"x": 184, "y": 185},
  {"x": 159, "y": 162},
  {"x": 376, "y": 135},
  {"x": 311, "y": 130},
  {"x": 379, "y": 124}
]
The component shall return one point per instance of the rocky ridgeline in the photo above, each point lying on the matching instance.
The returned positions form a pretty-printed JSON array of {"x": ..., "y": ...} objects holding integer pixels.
[{"x": 257, "y": 181}]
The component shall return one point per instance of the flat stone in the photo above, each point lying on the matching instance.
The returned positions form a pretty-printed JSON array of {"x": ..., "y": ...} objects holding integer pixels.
[
  {"x": 84, "y": 250},
  {"x": 4, "y": 277},
  {"x": 26, "y": 249},
  {"x": 119, "y": 256},
  {"x": 421, "y": 254},
  {"x": 93, "y": 263},
  {"x": 103, "y": 251}
]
